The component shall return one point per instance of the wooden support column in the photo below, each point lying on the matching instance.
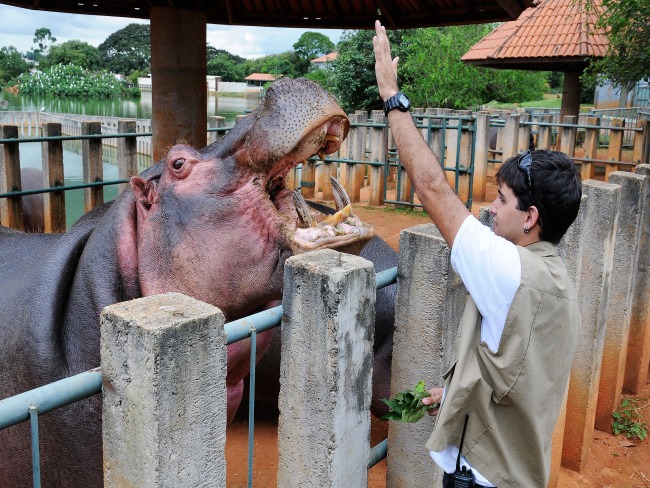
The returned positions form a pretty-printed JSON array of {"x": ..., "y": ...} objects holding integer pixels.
[
  {"x": 53, "y": 202},
  {"x": 11, "y": 211},
  {"x": 178, "y": 69}
]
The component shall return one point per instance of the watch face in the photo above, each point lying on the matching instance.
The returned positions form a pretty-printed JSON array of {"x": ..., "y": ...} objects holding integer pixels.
[{"x": 403, "y": 101}]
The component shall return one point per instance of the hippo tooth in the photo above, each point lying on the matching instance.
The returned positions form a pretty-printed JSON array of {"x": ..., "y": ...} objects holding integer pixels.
[
  {"x": 338, "y": 217},
  {"x": 341, "y": 197},
  {"x": 332, "y": 137},
  {"x": 321, "y": 155},
  {"x": 302, "y": 209}
]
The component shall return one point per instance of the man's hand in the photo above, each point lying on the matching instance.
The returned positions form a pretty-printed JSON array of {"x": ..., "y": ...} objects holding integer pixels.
[
  {"x": 385, "y": 66},
  {"x": 435, "y": 396}
]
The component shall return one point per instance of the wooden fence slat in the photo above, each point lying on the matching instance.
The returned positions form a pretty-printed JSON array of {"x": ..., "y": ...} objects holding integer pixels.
[
  {"x": 11, "y": 211},
  {"x": 615, "y": 151},
  {"x": 53, "y": 202},
  {"x": 127, "y": 155},
  {"x": 93, "y": 171}
]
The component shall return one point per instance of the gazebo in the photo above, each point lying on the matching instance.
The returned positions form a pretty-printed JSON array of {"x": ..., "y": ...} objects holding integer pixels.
[
  {"x": 178, "y": 39},
  {"x": 556, "y": 35}
]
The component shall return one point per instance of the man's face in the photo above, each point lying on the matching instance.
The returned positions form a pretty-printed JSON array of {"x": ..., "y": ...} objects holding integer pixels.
[{"x": 509, "y": 222}]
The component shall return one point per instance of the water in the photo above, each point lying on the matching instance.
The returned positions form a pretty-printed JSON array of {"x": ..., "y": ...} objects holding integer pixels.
[{"x": 30, "y": 153}]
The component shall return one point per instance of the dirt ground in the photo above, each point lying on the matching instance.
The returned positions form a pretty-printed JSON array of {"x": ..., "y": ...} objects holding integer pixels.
[{"x": 614, "y": 462}]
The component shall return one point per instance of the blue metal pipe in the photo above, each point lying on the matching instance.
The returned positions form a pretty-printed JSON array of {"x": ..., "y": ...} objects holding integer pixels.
[
  {"x": 15, "y": 409},
  {"x": 378, "y": 453},
  {"x": 36, "y": 455},
  {"x": 261, "y": 321},
  {"x": 386, "y": 277},
  {"x": 251, "y": 406}
]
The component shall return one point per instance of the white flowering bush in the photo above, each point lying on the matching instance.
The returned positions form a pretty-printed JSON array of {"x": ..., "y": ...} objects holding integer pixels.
[{"x": 73, "y": 81}]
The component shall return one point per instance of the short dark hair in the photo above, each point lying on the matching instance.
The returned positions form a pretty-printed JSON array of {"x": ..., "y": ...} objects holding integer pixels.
[{"x": 556, "y": 190}]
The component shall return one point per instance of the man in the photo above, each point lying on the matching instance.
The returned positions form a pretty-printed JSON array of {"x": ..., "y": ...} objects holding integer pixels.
[{"x": 519, "y": 331}]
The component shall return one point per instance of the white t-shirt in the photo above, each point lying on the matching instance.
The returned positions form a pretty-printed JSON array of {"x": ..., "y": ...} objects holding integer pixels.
[{"x": 490, "y": 268}]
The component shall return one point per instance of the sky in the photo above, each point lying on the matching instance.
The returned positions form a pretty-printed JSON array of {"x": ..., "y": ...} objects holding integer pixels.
[{"x": 17, "y": 27}]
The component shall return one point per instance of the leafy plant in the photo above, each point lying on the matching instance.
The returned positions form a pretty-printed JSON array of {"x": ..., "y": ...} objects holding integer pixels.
[
  {"x": 407, "y": 406},
  {"x": 629, "y": 421}
]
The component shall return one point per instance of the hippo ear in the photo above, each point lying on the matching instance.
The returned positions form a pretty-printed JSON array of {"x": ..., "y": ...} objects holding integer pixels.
[{"x": 145, "y": 194}]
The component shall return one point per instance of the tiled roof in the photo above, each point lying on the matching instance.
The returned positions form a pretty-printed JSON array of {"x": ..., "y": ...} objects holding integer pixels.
[
  {"x": 557, "y": 34},
  {"x": 262, "y": 77},
  {"x": 325, "y": 59}
]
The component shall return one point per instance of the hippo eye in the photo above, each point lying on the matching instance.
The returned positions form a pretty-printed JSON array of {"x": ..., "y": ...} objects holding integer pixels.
[{"x": 178, "y": 163}]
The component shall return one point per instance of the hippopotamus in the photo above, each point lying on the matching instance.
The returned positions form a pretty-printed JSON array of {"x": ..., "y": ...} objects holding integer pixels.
[{"x": 216, "y": 224}]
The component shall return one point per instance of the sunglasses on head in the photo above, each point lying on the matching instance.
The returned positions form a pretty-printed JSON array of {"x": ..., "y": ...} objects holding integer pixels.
[{"x": 525, "y": 163}]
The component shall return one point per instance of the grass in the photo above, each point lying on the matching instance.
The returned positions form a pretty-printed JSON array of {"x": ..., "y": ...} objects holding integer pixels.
[
  {"x": 550, "y": 100},
  {"x": 399, "y": 210}
]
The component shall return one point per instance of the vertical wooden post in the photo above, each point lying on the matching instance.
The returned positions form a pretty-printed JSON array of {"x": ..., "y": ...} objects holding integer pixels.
[
  {"x": 568, "y": 138},
  {"x": 93, "y": 171},
  {"x": 510, "y": 139},
  {"x": 53, "y": 202},
  {"x": 127, "y": 152},
  {"x": 356, "y": 152},
  {"x": 641, "y": 142},
  {"x": 615, "y": 151},
  {"x": 592, "y": 135},
  {"x": 523, "y": 142},
  {"x": 308, "y": 179},
  {"x": 464, "y": 159},
  {"x": 377, "y": 144},
  {"x": 481, "y": 156},
  {"x": 544, "y": 134},
  {"x": 11, "y": 210}
]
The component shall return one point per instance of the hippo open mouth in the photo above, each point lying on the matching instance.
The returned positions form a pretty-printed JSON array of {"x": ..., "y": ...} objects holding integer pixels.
[{"x": 323, "y": 127}]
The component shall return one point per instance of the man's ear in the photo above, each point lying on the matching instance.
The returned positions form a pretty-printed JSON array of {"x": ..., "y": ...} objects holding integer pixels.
[
  {"x": 533, "y": 217},
  {"x": 145, "y": 193}
]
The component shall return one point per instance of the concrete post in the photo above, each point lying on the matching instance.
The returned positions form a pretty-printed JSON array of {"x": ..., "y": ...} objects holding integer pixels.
[
  {"x": 617, "y": 320},
  {"x": 523, "y": 142},
  {"x": 615, "y": 150},
  {"x": 93, "y": 171},
  {"x": 590, "y": 146},
  {"x": 544, "y": 134},
  {"x": 326, "y": 370},
  {"x": 568, "y": 137},
  {"x": 594, "y": 270},
  {"x": 53, "y": 202},
  {"x": 429, "y": 305},
  {"x": 216, "y": 122},
  {"x": 510, "y": 139},
  {"x": 164, "y": 393},
  {"x": 11, "y": 210},
  {"x": 638, "y": 350},
  {"x": 127, "y": 152}
]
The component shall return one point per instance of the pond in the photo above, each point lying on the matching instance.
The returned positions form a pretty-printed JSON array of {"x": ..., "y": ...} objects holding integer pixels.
[{"x": 30, "y": 153}]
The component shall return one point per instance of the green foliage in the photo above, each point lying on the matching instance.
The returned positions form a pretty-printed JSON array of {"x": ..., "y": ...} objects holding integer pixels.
[
  {"x": 311, "y": 45},
  {"x": 627, "y": 26},
  {"x": 226, "y": 65},
  {"x": 70, "y": 80},
  {"x": 629, "y": 421},
  {"x": 321, "y": 76},
  {"x": 127, "y": 50},
  {"x": 353, "y": 77},
  {"x": 407, "y": 406},
  {"x": 75, "y": 52},
  {"x": 11, "y": 64},
  {"x": 513, "y": 85},
  {"x": 286, "y": 64}
]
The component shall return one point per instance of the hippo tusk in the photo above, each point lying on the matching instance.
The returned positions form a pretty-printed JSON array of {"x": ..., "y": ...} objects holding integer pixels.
[
  {"x": 302, "y": 208},
  {"x": 332, "y": 137},
  {"x": 338, "y": 217},
  {"x": 341, "y": 197}
]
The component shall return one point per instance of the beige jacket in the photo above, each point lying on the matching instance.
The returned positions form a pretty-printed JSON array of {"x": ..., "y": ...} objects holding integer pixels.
[{"x": 513, "y": 397}]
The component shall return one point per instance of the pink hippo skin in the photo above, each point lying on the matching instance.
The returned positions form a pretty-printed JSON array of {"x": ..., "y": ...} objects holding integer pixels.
[{"x": 216, "y": 224}]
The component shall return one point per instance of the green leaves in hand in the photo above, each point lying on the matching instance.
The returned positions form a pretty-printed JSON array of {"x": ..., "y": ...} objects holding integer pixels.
[{"x": 407, "y": 406}]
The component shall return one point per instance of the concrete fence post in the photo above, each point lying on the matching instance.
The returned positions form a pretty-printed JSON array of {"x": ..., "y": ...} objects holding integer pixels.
[
  {"x": 11, "y": 209},
  {"x": 523, "y": 142},
  {"x": 509, "y": 141},
  {"x": 545, "y": 133},
  {"x": 326, "y": 370},
  {"x": 592, "y": 136},
  {"x": 127, "y": 152},
  {"x": 594, "y": 270},
  {"x": 617, "y": 320},
  {"x": 164, "y": 393},
  {"x": 638, "y": 350},
  {"x": 615, "y": 149},
  {"x": 53, "y": 202},
  {"x": 216, "y": 122},
  {"x": 568, "y": 136},
  {"x": 429, "y": 304}
]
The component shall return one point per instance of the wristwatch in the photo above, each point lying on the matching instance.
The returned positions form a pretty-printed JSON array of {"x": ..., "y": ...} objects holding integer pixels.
[{"x": 399, "y": 101}]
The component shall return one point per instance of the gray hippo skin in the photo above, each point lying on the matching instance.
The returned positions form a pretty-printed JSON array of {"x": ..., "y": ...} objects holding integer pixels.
[{"x": 216, "y": 224}]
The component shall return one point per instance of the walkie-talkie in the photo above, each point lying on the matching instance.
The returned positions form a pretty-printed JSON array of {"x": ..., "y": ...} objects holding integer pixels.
[{"x": 462, "y": 477}]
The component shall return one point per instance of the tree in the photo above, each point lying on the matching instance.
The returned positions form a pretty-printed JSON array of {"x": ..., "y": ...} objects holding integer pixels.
[
  {"x": 311, "y": 45},
  {"x": 353, "y": 78},
  {"x": 627, "y": 26},
  {"x": 75, "y": 52},
  {"x": 285, "y": 64},
  {"x": 222, "y": 63},
  {"x": 127, "y": 50},
  {"x": 12, "y": 64},
  {"x": 43, "y": 38}
]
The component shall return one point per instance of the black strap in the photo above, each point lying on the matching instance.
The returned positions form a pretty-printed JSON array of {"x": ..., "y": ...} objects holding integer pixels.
[{"x": 462, "y": 438}]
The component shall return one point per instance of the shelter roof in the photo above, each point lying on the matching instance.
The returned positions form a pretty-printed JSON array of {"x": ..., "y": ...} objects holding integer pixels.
[
  {"x": 262, "y": 77},
  {"x": 325, "y": 59},
  {"x": 352, "y": 14},
  {"x": 557, "y": 35}
]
